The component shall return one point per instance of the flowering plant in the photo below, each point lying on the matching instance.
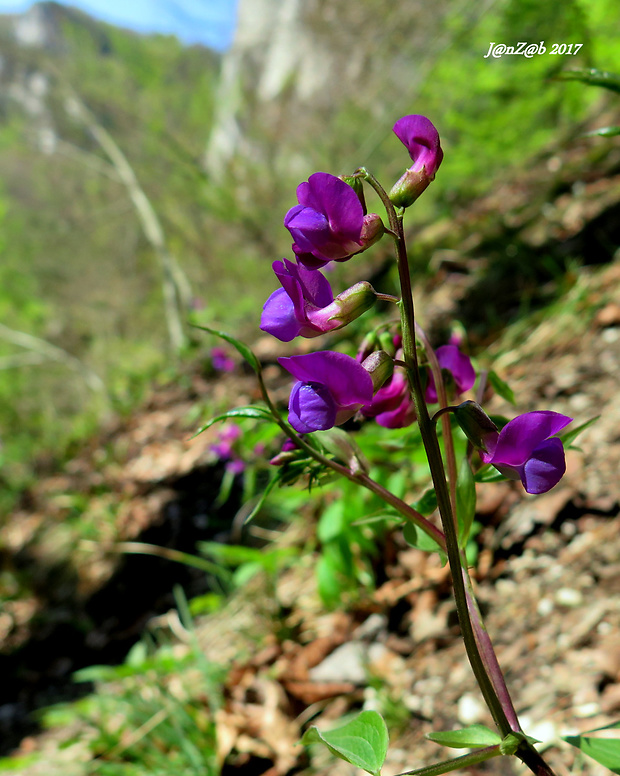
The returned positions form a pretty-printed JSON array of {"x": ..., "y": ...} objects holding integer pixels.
[{"x": 396, "y": 376}]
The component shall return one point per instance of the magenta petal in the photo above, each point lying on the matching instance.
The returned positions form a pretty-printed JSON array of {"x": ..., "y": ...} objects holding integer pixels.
[
  {"x": 451, "y": 358},
  {"x": 420, "y": 137},
  {"x": 545, "y": 467},
  {"x": 309, "y": 228},
  {"x": 311, "y": 408},
  {"x": 339, "y": 203},
  {"x": 308, "y": 259},
  {"x": 458, "y": 364},
  {"x": 401, "y": 417},
  {"x": 347, "y": 380},
  {"x": 292, "y": 286},
  {"x": 314, "y": 286},
  {"x": 521, "y": 436},
  {"x": 278, "y": 317}
]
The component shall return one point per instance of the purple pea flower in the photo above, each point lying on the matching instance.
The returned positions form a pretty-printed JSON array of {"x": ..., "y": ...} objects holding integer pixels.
[
  {"x": 458, "y": 364},
  {"x": 526, "y": 449},
  {"x": 421, "y": 139},
  {"x": 305, "y": 304},
  {"x": 392, "y": 406},
  {"x": 327, "y": 223},
  {"x": 331, "y": 388},
  {"x": 221, "y": 361}
]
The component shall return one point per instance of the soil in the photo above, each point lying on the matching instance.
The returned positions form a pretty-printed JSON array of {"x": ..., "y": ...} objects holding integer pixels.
[{"x": 548, "y": 573}]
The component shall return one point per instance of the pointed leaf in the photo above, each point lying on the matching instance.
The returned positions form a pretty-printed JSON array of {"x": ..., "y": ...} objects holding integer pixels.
[
  {"x": 427, "y": 503},
  {"x": 466, "y": 738},
  {"x": 363, "y": 742},
  {"x": 500, "y": 387},
  {"x": 416, "y": 537},
  {"x": 605, "y": 751},
  {"x": 592, "y": 77},
  {"x": 243, "y": 349},
  {"x": 259, "y": 413},
  {"x": 604, "y": 132},
  {"x": 570, "y": 436}
]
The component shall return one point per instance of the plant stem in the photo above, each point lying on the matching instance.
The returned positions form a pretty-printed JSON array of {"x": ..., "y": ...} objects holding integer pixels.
[
  {"x": 433, "y": 452},
  {"x": 360, "y": 477},
  {"x": 465, "y": 761}
]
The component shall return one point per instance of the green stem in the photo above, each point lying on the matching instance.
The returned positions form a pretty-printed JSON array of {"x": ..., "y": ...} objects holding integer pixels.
[
  {"x": 433, "y": 452},
  {"x": 465, "y": 761}
]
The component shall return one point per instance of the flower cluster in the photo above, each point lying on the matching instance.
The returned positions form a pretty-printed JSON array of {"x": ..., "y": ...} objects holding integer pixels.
[{"x": 330, "y": 223}]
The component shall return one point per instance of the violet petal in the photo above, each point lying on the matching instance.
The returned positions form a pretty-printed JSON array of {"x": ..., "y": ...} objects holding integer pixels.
[
  {"x": 278, "y": 317},
  {"x": 545, "y": 467},
  {"x": 311, "y": 408},
  {"x": 521, "y": 436}
]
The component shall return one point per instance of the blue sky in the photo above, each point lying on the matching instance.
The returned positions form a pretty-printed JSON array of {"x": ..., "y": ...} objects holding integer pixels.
[{"x": 211, "y": 22}]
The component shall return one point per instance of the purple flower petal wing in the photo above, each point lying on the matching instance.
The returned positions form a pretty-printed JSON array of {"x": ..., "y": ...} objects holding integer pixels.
[
  {"x": 545, "y": 467},
  {"x": 521, "y": 436},
  {"x": 339, "y": 203},
  {"x": 292, "y": 286},
  {"x": 278, "y": 317},
  {"x": 308, "y": 228},
  {"x": 311, "y": 408},
  {"x": 315, "y": 286},
  {"x": 347, "y": 380},
  {"x": 308, "y": 259},
  {"x": 451, "y": 358},
  {"x": 420, "y": 137}
]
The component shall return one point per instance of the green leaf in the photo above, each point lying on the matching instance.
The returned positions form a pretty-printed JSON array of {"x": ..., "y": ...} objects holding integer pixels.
[
  {"x": 488, "y": 473},
  {"x": 363, "y": 742},
  {"x": 592, "y": 77},
  {"x": 500, "y": 387},
  {"x": 243, "y": 349},
  {"x": 251, "y": 411},
  {"x": 328, "y": 581},
  {"x": 569, "y": 437},
  {"x": 470, "y": 737},
  {"x": 604, "y": 132},
  {"x": 605, "y": 751},
  {"x": 427, "y": 503},
  {"x": 259, "y": 504},
  {"x": 416, "y": 537},
  {"x": 465, "y": 501}
]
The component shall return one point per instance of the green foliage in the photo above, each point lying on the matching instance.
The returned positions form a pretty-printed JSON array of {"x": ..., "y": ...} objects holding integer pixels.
[
  {"x": 153, "y": 714},
  {"x": 466, "y": 738},
  {"x": 363, "y": 741},
  {"x": 605, "y": 751}
]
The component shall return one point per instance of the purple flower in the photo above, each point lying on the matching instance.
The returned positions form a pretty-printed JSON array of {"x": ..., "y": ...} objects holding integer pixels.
[
  {"x": 525, "y": 449},
  {"x": 305, "y": 304},
  {"x": 421, "y": 139},
  {"x": 331, "y": 388},
  {"x": 221, "y": 361},
  {"x": 327, "y": 223},
  {"x": 458, "y": 364},
  {"x": 392, "y": 406}
]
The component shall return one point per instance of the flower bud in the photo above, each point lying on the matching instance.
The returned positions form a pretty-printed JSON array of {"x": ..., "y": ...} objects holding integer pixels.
[
  {"x": 476, "y": 425},
  {"x": 421, "y": 139},
  {"x": 372, "y": 230},
  {"x": 386, "y": 339},
  {"x": 409, "y": 187},
  {"x": 346, "y": 307},
  {"x": 380, "y": 367}
]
